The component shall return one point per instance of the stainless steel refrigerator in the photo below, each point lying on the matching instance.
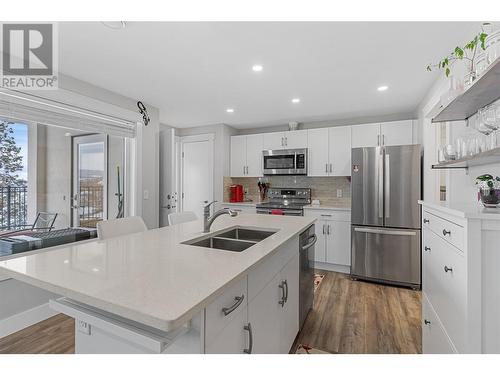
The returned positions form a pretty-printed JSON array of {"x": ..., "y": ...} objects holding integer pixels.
[{"x": 385, "y": 231}]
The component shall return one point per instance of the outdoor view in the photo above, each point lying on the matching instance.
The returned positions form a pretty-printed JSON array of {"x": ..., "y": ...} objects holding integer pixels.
[{"x": 13, "y": 174}]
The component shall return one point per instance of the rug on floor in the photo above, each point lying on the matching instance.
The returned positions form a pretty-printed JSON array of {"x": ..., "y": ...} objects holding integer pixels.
[
  {"x": 318, "y": 278},
  {"x": 306, "y": 349}
]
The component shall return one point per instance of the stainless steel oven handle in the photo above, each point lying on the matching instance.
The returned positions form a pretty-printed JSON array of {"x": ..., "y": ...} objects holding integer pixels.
[
  {"x": 311, "y": 242},
  {"x": 383, "y": 231}
]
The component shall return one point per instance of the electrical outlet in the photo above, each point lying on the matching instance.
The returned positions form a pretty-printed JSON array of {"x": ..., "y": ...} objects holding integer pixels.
[
  {"x": 83, "y": 327},
  {"x": 145, "y": 194},
  {"x": 339, "y": 193},
  {"x": 245, "y": 190}
]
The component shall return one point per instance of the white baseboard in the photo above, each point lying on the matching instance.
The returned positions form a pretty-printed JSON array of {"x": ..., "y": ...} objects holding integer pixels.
[
  {"x": 25, "y": 319},
  {"x": 332, "y": 267}
]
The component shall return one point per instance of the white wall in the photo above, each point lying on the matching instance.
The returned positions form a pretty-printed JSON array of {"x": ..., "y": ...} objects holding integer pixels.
[{"x": 222, "y": 148}]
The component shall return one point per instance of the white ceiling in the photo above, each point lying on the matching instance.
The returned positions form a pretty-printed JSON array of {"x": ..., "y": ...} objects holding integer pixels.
[{"x": 193, "y": 71}]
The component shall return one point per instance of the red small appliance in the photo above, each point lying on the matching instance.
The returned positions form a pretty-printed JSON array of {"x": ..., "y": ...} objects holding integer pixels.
[{"x": 236, "y": 193}]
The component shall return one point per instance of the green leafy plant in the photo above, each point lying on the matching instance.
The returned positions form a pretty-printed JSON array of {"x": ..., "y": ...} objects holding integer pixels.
[{"x": 467, "y": 52}]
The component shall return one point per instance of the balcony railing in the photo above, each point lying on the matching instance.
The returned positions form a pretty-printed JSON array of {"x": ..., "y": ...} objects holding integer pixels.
[
  {"x": 91, "y": 205},
  {"x": 13, "y": 207}
]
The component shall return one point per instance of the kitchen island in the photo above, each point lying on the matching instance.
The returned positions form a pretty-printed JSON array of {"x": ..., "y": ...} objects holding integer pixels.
[{"x": 151, "y": 293}]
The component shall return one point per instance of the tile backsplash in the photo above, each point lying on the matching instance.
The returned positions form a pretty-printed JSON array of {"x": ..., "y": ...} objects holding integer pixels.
[{"x": 322, "y": 188}]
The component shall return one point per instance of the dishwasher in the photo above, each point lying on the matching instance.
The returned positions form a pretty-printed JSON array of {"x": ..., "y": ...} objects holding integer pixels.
[{"x": 307, "y": 240}]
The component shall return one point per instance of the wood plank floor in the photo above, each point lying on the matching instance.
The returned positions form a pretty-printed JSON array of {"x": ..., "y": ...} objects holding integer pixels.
[
  {"x": 55, "y": 335},
  {"x": 348, "y": 317},
  {"x": 360, "y": 317}
]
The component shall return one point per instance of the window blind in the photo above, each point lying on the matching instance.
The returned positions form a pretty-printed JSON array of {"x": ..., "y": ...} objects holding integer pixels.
[{"x": 34, "y": 109}]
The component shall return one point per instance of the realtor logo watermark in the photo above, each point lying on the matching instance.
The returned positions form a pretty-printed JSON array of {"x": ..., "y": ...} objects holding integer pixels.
[{"x": 29, "y": 56}]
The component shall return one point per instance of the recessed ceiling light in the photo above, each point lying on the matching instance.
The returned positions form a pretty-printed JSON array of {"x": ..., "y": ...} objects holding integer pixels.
[
  {"x": 257, "y": 68},
  {"x": 230, "y": 110},
  {"x": 296, "y": 100},
  {"x": 382, "y": 88},
  {"x": 115, "y": 25}
]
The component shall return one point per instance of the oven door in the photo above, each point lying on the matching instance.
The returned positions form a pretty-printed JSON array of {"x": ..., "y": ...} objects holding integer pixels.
[
  {"x": 285, "y": 162},
  {"x": 283, "y": 212}
]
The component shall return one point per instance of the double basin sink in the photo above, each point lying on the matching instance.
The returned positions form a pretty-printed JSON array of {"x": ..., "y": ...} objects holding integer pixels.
[{"x": 236, "y": 239}]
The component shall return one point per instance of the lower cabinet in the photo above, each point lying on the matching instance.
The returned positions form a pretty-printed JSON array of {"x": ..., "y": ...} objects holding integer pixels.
[
  {"x": 270, "y": 321},
  {"x": 333, "y": 248},
  {"x": 243, "y": 208}
]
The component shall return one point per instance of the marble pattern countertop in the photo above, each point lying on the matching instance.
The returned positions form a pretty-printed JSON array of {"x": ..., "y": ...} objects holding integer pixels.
[
  {"x": 465, "y": 210},
  {"x": 151, "y": 277}
]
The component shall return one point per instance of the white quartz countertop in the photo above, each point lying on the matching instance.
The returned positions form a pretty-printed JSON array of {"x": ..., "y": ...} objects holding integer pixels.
[
  {"x": 151, "y": 277},
  {"x": 465, "y": 210},
  {"x": 326, "y": 207}
]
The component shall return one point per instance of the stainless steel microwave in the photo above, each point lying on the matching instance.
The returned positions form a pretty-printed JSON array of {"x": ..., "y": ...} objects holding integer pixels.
[{"x": 285, "y": 162}]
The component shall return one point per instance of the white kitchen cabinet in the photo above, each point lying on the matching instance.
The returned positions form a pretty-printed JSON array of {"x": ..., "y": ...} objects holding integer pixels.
[
  {"x": 329, "y": 151},
  {"x": 317, "y": 152},
  {"x": 392, "y": 133},
  {"x": 284, "y": 140},
  {"x": 333, "y": 248},
  {"x": 264, "y": 313},
  {"x": 338, "y": 249},
  {"x": 366, "y": 135},
  {"x": 339, "y": 151},
  {"x": 255, "y": 147},
  {"x": 238, "y": 155},
  {"x": 233, "y": 339},
  {"x": 289, "y": 322},
  {"x": 246, "y": 155},
  {"x": 396, "y": 133}
]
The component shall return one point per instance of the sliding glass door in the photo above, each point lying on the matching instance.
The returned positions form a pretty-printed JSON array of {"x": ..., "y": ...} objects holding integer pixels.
[{"x": 90, "y": 180}]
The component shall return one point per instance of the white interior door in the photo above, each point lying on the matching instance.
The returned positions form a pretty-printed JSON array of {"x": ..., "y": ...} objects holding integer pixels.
[{"x": 197, "y": 172}]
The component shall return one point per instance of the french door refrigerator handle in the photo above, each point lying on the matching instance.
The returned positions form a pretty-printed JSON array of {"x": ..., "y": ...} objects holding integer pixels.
[
  {"x": 380, "y": 176},
  {"x": 387, "y": 185},
  {"x": 385, "y": 231}
]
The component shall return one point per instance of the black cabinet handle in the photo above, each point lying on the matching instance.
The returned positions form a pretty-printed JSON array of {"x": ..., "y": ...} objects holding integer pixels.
[
  {"x": 448, "y": 269},
  {"x": 282, "y": 287},
  {"x": 426, "y": 221},
  {"x": 427, "y": 322},
  {"x": 248, "y": 328},
  {"x": 427, "y": 248},
  {"x": 445, "y": 232},
  {"x": 230, "y": 309}
]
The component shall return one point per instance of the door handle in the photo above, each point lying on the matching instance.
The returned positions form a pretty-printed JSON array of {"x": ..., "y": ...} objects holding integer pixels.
[
  {"x": 426, "y": 221},
  {"x": 323, "y": 228},
  {"x": 282, "y": 287},
  {"x": 331, "y": 168},
  {"x": 326, "y": 168},
  {"x": 230, "y": 309},
  {"x": 286, "y": 290},
  {"x": 378, "y": 140},
  {"x": 387, "y": 187},
  {"x": 448, "y": 269},
  {"x": 446, "y": 232},
  {"x": 383, "y": 139},
  {"x": 380, "y": 186},
  {"x": 427, "y": 248},
  {"x": 427, "y": 322},
  {"x": 286, "y": 141},
  {"x": 382, "y": 231},
  {"x": 248, "y": 328},
  {"x": 314, "y": 239}
]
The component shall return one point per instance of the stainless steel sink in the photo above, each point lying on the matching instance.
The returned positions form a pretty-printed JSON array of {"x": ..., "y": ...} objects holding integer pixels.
[
  {"x": 246, "y": 234},
  {"x": 235, "y": 239},
  {"x": 223, "y": 244}
]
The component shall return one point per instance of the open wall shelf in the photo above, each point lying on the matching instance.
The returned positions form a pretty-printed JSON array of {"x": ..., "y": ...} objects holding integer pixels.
[
  {"x": 486, "y": 157},
  {"x": 485, "y": 90}
]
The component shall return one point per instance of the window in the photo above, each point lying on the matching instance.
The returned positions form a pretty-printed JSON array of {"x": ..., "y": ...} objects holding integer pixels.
[{"x": 13, "y": 174}]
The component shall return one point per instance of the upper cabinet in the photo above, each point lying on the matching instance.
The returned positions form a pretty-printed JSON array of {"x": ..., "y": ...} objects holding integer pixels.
[
  {"x": 385, "y": 134},
  {"x": 246, "y": 155},
  {"x": 284, "y": 140},
  {"x": 329, "y": 151}
]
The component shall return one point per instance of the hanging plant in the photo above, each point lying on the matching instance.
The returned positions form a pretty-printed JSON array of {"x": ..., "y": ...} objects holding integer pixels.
[{"x": 467, "y": 52}]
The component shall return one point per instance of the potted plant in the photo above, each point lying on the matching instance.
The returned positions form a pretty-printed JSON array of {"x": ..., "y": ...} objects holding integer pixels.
[{"x": 489, "y": 190}]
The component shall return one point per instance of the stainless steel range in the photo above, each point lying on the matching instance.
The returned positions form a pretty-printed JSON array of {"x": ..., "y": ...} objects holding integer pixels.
[{"x": 285, "y": 201}]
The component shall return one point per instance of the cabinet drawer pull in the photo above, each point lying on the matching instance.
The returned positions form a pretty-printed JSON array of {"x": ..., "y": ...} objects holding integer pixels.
[
  {"x": 426, "y": 221},
  {"x": 446, "y": 232},
  {"x": 326, "y": 215},
  {"x": 282, "y": 287},
  {"x": 286, "y": 291},
  {"x": 230, "y": 309},
  {"x": 448, "y": 269},
  {"x": 427, "y": 248},
  {"x": 427, "y": 322},
  {"x": 248, "y": 328},
  {"x": 326, "y": 168}
]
